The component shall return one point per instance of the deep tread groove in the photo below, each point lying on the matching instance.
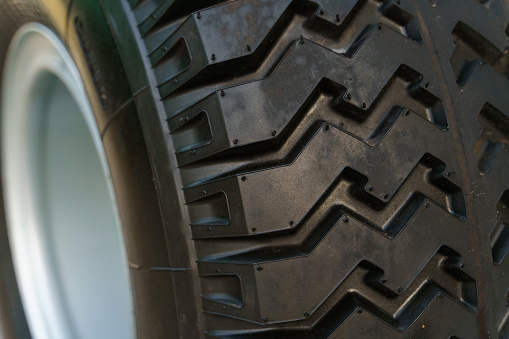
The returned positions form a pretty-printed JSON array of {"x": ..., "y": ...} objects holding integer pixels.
[
  {"x": 363, "y": 289},
  {"x": 350, "y": 183},
  {"x": 473, "y": 50},
  {"x": 324, "y": 189},
  {"x": 493, "y": 139},
  {"x": 404, "y": 80},
  {"x": 395, "y": 17}
]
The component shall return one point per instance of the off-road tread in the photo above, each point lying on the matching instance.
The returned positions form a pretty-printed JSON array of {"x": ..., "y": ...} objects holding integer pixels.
[
  {"x": 343, "y": 163},
  {"x": 364, "y": 290},
  {"x": 216, "y": 52}
]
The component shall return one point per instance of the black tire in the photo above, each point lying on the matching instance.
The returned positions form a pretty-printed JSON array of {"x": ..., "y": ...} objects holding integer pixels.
[{"x": 304, "y": 169}]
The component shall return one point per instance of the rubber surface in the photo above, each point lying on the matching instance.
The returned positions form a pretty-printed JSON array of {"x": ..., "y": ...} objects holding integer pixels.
[
  {"x": 303, "y": 168},
  {"x": 343, "y": 163}
]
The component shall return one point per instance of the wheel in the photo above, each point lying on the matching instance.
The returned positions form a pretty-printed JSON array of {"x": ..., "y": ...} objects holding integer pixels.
[{"x": 254, "y": 169}]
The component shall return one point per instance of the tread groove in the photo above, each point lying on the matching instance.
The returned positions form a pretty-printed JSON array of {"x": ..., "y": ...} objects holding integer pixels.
[
  {"x": 326, "y": 195},
  {"x": 363, "y": 286},
  {"x": 342, "y": 38},
  {"x": 473, "y": 50},
  {"x": 493, "y": 139}
]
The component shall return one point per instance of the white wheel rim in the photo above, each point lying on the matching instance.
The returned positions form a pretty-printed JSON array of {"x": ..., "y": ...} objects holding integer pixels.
[{"x": 63, "y": 225}]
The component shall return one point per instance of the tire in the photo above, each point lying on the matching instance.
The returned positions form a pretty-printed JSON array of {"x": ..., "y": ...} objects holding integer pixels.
[{"x": 300, "y": 169}]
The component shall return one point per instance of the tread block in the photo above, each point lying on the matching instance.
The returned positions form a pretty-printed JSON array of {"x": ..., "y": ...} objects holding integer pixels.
[
  {"x": 364, "y": 287},
  {"x": 252, "y": 22},
  {"x": 157, "y": 13},
  {"x": 267, "y": 107},
  {"x": 347, "y": 196},
  {"x": 322, "y": 155},
  {"x": 324, "y": 190},
  {"x": 326, "y": 103},
  {"x": 368, "y": 124},
  {"x": 260, "y": 24}
]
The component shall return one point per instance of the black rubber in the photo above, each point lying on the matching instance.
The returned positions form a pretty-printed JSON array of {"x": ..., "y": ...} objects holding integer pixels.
[
  {"x": 307, "y": 169},
  {"x": 344, "y": 163}
]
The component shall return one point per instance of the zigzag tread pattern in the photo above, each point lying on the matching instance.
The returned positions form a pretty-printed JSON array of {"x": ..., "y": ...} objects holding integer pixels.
[
  {"x": 321, "y": 155},
  {"x": 307, "y": 294},
  {"x": 259, "y": 44},
  {"x": 260, "y": 99},
  {"x": 318, "y": 168},
  {"x": 364, "y": 290}
]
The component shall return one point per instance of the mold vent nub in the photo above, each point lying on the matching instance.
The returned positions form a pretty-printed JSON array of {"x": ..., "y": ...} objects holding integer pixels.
[
  {"x": 210, "y": 211},
  {"x": 224, "y": 289},
  {"x": 500, "y": 236},
  {"x": 193, "y": 134}
]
